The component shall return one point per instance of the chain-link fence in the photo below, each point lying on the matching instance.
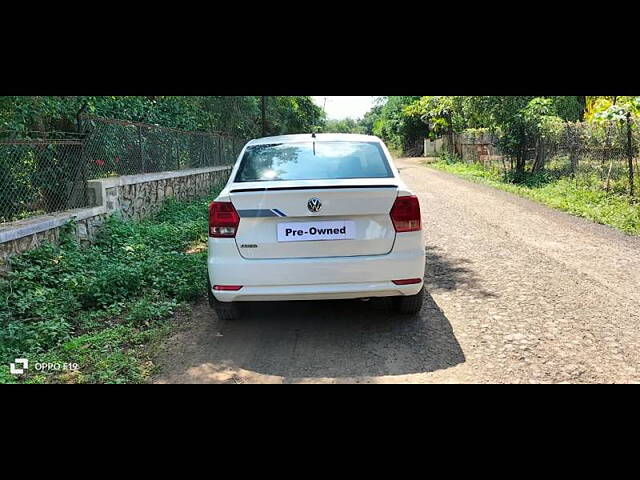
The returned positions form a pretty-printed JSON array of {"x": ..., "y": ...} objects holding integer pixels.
[
  {"x": 115, "y": 147},
  {"x": 601, "y": 155},
  {"x": 48, "y": 172},
  {"x": 40, "y": 175},
  {"x": 598, "y": 155}
]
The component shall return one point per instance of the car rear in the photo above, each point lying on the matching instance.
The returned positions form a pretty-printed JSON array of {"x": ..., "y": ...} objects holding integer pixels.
[{"x": 314, "y": 217}]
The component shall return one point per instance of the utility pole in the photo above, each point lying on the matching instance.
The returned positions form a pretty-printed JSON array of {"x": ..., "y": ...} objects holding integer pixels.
[{"x": 264, "y": 116}]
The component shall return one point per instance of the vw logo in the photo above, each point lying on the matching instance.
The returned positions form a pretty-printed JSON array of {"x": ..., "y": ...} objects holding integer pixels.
[{"x": 314, "y": 205}]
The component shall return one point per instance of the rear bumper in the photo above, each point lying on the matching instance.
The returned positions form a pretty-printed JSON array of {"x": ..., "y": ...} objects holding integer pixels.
[
  {"x": 335, "y": 291},
  {"x": 316, "y": 278}
]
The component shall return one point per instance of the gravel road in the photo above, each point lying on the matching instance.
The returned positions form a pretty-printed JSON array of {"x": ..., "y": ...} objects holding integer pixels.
[{"x": 517, "y": 293}]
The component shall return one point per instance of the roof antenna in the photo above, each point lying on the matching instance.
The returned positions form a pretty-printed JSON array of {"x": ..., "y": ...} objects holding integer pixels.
[{"x": 313, "y": 135}]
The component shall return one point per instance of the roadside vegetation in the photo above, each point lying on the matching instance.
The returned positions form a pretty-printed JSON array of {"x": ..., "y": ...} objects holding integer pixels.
[
  {"x": 47, "y": 174},
  {"x": 581, "y": 196},
  {"x": 579, "y": 154},
  {"x": 104, "y": 307},
  {"x": 243, "y": 116},
  {"x": 346, "y": 125}
]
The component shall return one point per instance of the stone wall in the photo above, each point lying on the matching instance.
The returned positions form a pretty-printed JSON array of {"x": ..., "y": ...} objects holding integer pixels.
[
  {"x": 137, "y": 196},
  {"x": 134, "y": 197},
  {"x": 432, "y": 148}
]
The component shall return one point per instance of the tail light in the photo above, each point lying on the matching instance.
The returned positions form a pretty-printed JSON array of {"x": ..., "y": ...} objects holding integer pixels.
[
  {"x": 408, "y": 281},
  {"x": 223, "y": 220},
  {"x": 405, "y": 214},
  {"x": 227, "y": 288}
]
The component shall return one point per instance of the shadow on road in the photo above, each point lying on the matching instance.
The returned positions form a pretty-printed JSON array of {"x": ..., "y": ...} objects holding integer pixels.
[
  {"x": 324, "y": 340},
  {"x": 313, "y": 340},
  {"x": 446, "y": 273}
]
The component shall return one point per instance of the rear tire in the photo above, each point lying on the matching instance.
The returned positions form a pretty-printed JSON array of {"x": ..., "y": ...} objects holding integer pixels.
[
  {"x": 226, "y": 311},
  {"x": 409, "y": 305}
]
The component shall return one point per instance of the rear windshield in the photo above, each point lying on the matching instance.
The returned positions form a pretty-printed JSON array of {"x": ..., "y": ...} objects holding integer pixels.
[{"x": 313, "y": 160}]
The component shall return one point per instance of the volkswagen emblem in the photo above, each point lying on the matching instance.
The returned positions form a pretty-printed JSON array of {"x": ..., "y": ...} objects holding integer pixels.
[{"x": 314, "y": 205}]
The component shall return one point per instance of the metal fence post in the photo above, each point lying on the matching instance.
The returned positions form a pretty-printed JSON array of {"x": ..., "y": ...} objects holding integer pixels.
[
  {"x": 202, "y": 152},
  {"x": 630, "y": 155},
  {"x": 177, "y": 145},
  {"x": 142, "y": 162},
  {"x": 83, "y": 166}
]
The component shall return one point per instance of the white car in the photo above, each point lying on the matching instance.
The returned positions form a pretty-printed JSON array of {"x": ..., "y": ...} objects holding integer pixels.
[{"x": 315, "y": 217}]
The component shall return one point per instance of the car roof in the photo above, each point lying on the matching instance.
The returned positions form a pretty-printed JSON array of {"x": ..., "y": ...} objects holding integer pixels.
[{"x": 320, "y": 137}]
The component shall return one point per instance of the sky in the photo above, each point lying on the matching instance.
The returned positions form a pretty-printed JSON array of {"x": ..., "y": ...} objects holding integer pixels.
[{"x": 338, "y": 108}]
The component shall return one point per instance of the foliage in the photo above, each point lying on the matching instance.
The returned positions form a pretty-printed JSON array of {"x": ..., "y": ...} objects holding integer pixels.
[
  {"x": 449, "y": 158},
  {"x": 541, "y": 118},
  {"x": 289, "y": 115},
  {"x": 401, "y": 132},
  {"x": 569, "y": 108},
  {"x": 363, "y": 126},
  {"x": 99, "y": 306},
  {"x": 601, "y": 108},
  {"x": 238, "y": 115},
  {"x": 368, "y": 121},
  {"x": 608, "y": 111},
  {"x": 40, "y": 177},
  {"x": 347, "y": 125},
  {"x": 442, "y": 114},
  {"x": 518, "y": 121},
  {"x": 508, "y": 114}
]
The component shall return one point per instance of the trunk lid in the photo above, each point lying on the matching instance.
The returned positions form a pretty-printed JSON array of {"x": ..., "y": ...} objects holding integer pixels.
[{"x": 353, "y": 218}]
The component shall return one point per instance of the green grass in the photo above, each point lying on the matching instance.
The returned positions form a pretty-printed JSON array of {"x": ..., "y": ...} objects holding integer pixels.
[
  {"x": 106, "y": 306},
  {"x": 584, "y": 199}
]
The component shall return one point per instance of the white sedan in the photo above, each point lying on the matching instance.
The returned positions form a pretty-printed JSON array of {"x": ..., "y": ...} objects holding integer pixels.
[{"x": 315, "y": 217}]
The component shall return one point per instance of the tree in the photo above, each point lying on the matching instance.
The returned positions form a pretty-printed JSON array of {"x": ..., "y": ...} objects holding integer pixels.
[
  {"x": 401, "y": 132},
  {"x": 238, "y": 115},
  {"x": 520, "y": 122},
  {"x": 347, "y": 125},
  {"x": 443, "y": 115},
  {"x": 368, "y": 121},
  {"x": 623, "y": 112}
]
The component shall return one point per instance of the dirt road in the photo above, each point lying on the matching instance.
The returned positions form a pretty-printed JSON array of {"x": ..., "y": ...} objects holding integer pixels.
[{"x": 517, "y": 293}]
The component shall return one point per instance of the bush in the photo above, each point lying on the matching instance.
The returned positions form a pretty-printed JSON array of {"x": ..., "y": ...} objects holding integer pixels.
[
  {"x": 527, "y": 179},
  {"x": 450, "y": 158},
  {"x": 57, "y": 298}
]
